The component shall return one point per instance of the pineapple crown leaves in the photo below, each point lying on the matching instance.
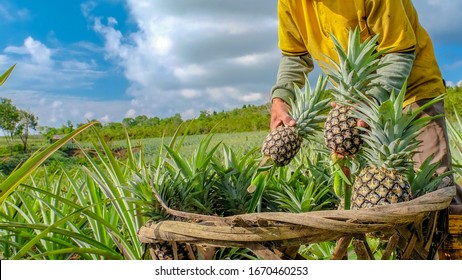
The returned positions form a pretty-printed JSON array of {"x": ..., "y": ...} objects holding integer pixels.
[
  {"x": 425, "y": 179},
  {"x": 357, "y": 64},
  {"x": 309, "y": 107},
  {"x": 392, "y": 133}
]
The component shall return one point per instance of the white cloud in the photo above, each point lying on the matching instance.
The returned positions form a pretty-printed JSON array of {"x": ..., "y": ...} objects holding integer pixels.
[
  {"x": 37, "y": 51},
  {"x": 184, "y": 59},
  {"x": 190, "y": 93},
  {"x": 131, "y": 113},
  {"x": 112, "y": 37},
  {"x": 105, "y": 119},
  {"x": 89, "y": 115},
  {"x": 229, "y": 96},
  {"x": 252, "y": 97},
  {"x": 56, "y": 104},
  {"x": 12, "y": 14},
  {"x": 189, "y": 114},
  {"x": 252, "y": 59},
  {"x": 41, "y": 68},
  {"x": 222, "y": 93},
  {"x": 189, "y": 72}
]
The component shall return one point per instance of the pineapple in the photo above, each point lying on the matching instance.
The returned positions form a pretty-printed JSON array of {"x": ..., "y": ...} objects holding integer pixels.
[
  {"x": 356, "y": 68},
  {"x": 391, "y": 144},
  {"x": 282, "y": 144}
]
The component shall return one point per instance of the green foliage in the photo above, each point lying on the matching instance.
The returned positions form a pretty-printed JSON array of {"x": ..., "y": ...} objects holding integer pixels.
[
  {"x": 16, "y": 123},
  {"x": 9, "y": 164},
  {"x": 9, "y": 118},
  {"x": 89, "y": 213},
  {"x": 298, "y": 193},
  {"x": 453, "y": 102},
  {"x": 455, "y": 132},
  {"x": 21, "y": 173},
  {"x": 247, "y": 118},
  {"x": 235, "y": 170},
  {"x": 318, "y": 251}
]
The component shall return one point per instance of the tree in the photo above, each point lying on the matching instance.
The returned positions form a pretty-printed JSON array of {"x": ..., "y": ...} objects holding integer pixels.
[
  {"x": 129, "y": 122},
  {"x": 27, "y": 121},
  {"x": 9, "y": 119},
  {"x": 7, "y": 112}
]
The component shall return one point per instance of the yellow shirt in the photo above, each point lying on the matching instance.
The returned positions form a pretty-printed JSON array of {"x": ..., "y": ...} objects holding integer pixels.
[{"x": 305, "y": 25}]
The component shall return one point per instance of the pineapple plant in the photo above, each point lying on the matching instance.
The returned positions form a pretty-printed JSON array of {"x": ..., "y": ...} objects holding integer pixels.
[
  {"x": 391, "y": 144},
  {"x": 282, "y": 144},
  {"x": 354, "y": 71}
]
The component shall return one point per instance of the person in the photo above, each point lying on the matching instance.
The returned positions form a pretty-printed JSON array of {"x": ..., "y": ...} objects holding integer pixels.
[{"x": 304, "y": 35}]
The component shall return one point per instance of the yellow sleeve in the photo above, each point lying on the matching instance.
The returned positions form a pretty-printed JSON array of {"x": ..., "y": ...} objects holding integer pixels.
[
  {"x": 290, "y": 40},
  {"x": 389, "y": 19}
]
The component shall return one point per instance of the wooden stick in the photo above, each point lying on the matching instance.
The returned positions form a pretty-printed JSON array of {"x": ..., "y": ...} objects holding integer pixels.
[
  {"x": 391, "y": 246},
  {"x": 362, "y": 249},
  {"x": 341, "y": 248},
  {"x": 410, "y": 247},
  {"x": 263, "y": 252}
]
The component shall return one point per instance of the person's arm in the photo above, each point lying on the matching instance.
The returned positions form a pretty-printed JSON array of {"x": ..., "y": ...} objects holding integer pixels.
[
  {"x": 292, "y": 71},
  {"x": 390, "y": 20},
  {"x": 294, "y": 65},
  {"x": 393, "y": 75}
]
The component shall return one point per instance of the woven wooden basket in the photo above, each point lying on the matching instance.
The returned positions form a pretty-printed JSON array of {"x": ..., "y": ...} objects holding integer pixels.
[{"x": 412, "y": 230}]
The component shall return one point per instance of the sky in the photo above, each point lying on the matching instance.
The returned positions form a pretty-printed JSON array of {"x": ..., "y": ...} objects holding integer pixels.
[{"x": 113, "y": 59}]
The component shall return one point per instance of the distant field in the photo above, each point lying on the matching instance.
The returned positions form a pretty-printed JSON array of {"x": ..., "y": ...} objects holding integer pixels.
[
  {"x": 34, "y": 142},
  {"x": 240, "y": 140}
]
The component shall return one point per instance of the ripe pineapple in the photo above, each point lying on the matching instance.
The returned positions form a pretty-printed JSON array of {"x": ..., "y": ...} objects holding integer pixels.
[
  {"x": 356, "y": 68},
  {"x": 282, "y": 144},
  {"x": 391, "y": 144}
]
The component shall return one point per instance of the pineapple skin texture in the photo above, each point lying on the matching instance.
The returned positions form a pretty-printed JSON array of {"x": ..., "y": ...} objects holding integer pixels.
[
  {"x": 341, "y": 134},
  {"x": 281, "y": 145},
  {"x": 379, "y": 186}
]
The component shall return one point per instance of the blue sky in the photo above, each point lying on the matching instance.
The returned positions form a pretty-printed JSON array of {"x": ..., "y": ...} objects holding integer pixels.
[{"x": 111, "y": 59}]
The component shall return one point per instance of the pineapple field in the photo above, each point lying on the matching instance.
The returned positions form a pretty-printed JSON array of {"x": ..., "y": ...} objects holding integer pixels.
[
  {"x": 327, "y": 188},
  {"x": 96, "y": 211}
]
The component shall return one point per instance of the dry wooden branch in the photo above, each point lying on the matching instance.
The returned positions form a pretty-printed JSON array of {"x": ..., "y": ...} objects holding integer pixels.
[
  {"x": 391, "y": 246},
  {"x": 341, "y": 247}
]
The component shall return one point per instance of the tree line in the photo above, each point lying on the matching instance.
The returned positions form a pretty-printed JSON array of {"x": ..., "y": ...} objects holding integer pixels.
[{"x": 244, "y": 119}]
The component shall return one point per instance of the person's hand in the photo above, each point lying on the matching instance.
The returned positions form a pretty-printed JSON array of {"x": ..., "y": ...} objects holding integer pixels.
[{"x": 280, "y": 114}]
